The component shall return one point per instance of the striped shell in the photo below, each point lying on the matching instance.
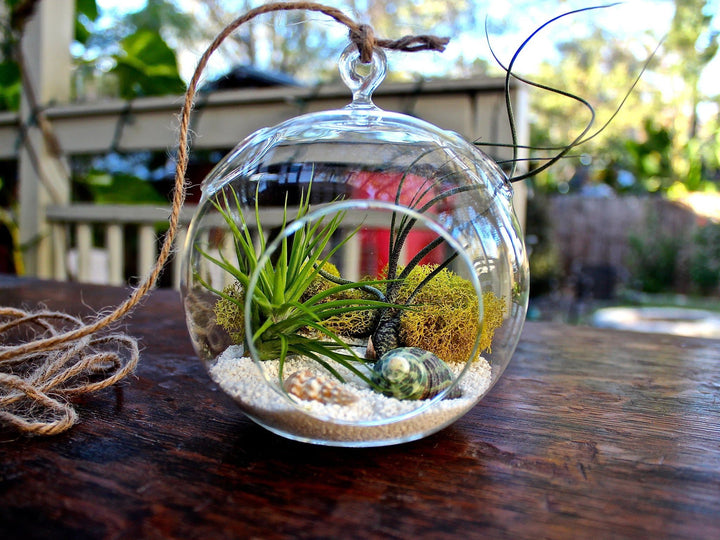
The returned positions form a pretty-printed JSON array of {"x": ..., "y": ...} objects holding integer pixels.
[
  {"x": 309, "y": 386},
  {"x": 412, "y": 373}
]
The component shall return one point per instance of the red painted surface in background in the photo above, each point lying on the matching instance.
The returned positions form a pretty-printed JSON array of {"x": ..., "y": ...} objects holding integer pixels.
[{"x": 383, "y": 186}]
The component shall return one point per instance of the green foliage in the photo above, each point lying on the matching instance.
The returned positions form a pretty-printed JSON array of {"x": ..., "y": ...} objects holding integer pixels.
[
  {"x": 544, "y": 257},
  {"x": 10, "y": 81},
  {"x": 692, "y": 39},
  {"x": 146, "y": 66},
  {"x": 545, "y": 271},
  {"x": 649, "y": 159},
  {"x": 86, "y": 11},
  {"x": 658, "y": 142},
  {"x": 163, "y": 16},
  {"x": 134, "y": 56},
  {"x": 119, "y": 188},
  {"x": 654, "y": 260},
  {"x": 351, "y": 324},
  {"x": 11, "y": 85},
  {"x": 705, "y": 260},
  {"x": 87, "y": 8},
  {"x": 598, "y": 68}
]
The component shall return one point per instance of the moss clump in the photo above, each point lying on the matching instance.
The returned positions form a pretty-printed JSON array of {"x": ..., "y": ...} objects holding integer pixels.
[
  {"x": 229, "y": 312},
  {"x": 350, "y": 324},
  {"x": 444, "y": 318},
  {"x": 494, "y": 311},
  {"x": 353, "y": 324},
  {"x": 319, "y": 283}
]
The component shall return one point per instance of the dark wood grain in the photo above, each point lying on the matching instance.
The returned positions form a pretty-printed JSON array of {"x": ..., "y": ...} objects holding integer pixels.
[{"x": 589, "y": 434}]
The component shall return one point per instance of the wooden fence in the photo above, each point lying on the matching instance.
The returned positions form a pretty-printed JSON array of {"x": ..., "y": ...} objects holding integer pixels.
[{"x": 593, "y": 232}]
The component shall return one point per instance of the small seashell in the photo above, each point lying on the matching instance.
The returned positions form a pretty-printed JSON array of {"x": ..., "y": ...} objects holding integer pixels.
[
  {"x": 309, "y": 386},
  {"x": 413, "y": 373}
]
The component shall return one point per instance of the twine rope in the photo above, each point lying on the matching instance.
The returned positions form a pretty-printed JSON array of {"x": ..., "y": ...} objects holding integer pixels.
[{"x": 63, "y": 357}]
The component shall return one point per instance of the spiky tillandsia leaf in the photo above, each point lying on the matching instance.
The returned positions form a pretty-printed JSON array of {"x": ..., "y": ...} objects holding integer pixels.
[
  {"x": 307, "y": 269},
  {"x": 242, "y": 278},
  {"x": 317, "y": 314}
]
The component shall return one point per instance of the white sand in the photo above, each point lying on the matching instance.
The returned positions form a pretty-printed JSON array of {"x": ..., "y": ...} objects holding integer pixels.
[{"x": 371, "y": 420}]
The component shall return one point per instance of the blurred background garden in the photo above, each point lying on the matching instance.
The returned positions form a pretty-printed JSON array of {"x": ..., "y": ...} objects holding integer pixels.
[{"x": 630, "y": 217}]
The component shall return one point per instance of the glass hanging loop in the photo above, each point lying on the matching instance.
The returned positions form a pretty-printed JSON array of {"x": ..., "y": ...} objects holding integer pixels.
[{"x": 362, "y": 78}]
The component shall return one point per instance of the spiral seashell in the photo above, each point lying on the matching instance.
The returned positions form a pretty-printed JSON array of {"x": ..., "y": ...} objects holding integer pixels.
[
  {"x": 412, "y": 373},
  {"x": 309, "y": 386}
]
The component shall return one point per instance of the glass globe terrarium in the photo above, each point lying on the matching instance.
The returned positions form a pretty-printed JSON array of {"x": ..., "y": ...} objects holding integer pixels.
[{"x": 355, "y": 277}]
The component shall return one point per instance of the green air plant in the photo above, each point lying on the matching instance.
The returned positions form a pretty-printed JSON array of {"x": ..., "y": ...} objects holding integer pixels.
[{"x": 285, "y": 320}]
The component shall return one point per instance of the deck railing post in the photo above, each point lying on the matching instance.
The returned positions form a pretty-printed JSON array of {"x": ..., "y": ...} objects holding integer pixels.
[
  {"x": 59, "y": 250},
  {"x": 43, "y": 173},
  {"x": 146, "y": 249},
  {"x": 177, "y": 258},
  {"x": 83, "y": 236},
  {"x": 114, "y": 245}
]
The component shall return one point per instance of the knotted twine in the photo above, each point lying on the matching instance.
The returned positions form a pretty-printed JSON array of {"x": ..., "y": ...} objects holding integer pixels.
[{"x": 58, "y": 356}]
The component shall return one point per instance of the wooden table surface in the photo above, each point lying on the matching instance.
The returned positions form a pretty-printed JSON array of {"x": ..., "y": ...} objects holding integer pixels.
[{"x": 589, "y": 434}]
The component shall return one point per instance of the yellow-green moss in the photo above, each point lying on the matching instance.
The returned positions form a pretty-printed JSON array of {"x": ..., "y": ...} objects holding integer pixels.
[
  {"x": 229, "y": 314},
  {"x": 494, "y": 310},
  {"x": 320, "y": 284},
  {"x": 444, "y": 318},
  {"x": 352, "y": 323}
]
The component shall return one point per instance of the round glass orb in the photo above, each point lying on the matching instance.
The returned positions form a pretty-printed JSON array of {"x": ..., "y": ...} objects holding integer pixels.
[{"x": 355, "y": 277}]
